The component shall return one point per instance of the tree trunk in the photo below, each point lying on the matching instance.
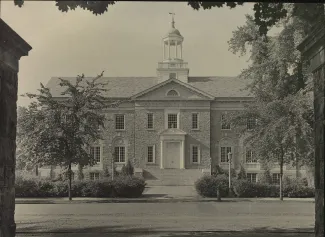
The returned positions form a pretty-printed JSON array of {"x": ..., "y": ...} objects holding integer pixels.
[
  {"x": 69, "y": 186},
  {"x": 281, "y": 179}
]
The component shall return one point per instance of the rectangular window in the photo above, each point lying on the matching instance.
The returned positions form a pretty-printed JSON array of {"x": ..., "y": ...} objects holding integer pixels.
[
  {"x": 150, "y": 121},
  {"x": 251, "y": 177},
  {"x": 276, "y": 178},
  {"x": 119, "y": 121},
  {"x": 95, "y": 153},
  {"x": 224, "y": 124},
  {"x": 195, "y": 121},
  {"x": 119, "y": 154},
  {"x": 94, "y": 176},
  {"x": 172, "y": 121},
  {"x": 251, "y": 123},
  {"x": 250, "y": 156},
  {"x": 195, "y": 154},
  {"x": 151, "y": 154},
  {"x": 172, "y": 75},
  {"x": 224, "y": 154}
]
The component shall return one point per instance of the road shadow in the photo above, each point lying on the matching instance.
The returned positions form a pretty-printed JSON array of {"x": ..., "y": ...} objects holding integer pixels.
[{"x": 131, "y": 231}]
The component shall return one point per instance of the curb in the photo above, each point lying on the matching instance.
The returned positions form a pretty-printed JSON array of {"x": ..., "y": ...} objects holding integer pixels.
[{"x": 149, "y": 200}]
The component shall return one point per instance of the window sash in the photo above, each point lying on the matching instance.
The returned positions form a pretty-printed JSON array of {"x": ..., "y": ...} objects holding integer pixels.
[
  {"x": 150, "y": 154},
  {"x": 119, "y": 121},
  {"x": 251, "y": 123},
  {"x": 195, "y": 154},
  {"x": 224, "y": 154},
  {"x": 94, "y": 176},
  {"x": 224, "y": 124},
  {"x": 150, "y": 121},
  {"x": 172, "y": 121},
  {"x": 252, "y": 177},
  {"x": 119, "y": 154},
  {"x": 250, "y": 156},
  {"x": 195, "y": 122},
  {"x": 172, "y": 75},
  {"x": 95, "y": 153}
]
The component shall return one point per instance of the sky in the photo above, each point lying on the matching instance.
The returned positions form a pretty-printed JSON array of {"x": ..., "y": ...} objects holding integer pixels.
[{"x": 125, "y": 41}]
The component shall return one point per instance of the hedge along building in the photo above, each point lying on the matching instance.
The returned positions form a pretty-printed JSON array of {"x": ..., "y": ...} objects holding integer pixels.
[{"x": 171, "y": 127}]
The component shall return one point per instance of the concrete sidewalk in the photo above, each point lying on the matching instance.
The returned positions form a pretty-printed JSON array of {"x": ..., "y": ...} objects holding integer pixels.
[{"x": 145, "y": 199}]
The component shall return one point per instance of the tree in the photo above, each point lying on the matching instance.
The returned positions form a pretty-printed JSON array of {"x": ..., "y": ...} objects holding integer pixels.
[
  {"x": 59, "y": 132},
  {"x": 274, "y": 135},
  {"x": 242, "y": 173}
]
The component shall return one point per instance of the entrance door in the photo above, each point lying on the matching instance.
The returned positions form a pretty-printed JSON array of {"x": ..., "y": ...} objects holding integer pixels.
[{"x": 172, "y": 155}]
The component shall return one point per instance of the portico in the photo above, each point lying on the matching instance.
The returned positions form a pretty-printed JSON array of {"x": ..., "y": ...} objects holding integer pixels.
[{"x": 172, "y": 143}]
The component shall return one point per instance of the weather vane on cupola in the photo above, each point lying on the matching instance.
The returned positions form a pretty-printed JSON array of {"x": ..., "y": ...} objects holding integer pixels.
[{"x": 173, "y": 22}]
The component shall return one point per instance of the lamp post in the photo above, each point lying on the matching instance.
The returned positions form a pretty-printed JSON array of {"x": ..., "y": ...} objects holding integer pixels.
[{"x": 229, "y": 162}]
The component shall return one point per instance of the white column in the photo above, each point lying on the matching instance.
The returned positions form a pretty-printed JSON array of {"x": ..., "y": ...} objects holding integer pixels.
[
  {"x": 161, "y": 154},
  {"x": 182, "y": 158},
  {"x": 175, "y": 49},
  {"x": 168, "y": 49},
  {"x": 181, "y": 51},
  {"x": 164, "y": 55}
]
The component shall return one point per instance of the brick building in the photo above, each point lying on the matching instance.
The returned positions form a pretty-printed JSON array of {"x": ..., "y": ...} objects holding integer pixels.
[{"x": 171, "y": 126}]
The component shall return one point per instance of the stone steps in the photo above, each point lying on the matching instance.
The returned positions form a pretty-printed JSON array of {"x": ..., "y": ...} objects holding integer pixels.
[{"x": 171, "y": 177}]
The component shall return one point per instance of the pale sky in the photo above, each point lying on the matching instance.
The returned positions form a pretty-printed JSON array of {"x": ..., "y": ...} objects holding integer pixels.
[{"x": 125, "y": 41}]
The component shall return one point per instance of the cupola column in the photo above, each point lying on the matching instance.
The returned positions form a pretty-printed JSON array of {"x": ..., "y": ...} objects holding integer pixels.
[
  {"x": 176, "y": 49},
  {"x": 168, "y": 49}
]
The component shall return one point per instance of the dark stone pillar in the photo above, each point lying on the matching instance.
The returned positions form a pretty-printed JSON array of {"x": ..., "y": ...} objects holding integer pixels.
[
  {"x": 12, "y": 47},
  {"x": 313, "y": 50}
]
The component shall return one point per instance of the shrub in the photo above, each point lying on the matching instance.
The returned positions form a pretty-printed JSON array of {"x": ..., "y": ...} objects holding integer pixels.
[
  {"x": 244, "y": 188},
  {"x": 127, "y": 169},
  {"x": 297, "y": 188},
  {"x": 207, "y": 186},
  {"x": 25, "y": 187},
  {"x": 242, "y": 173},
  {"x": 265, "y": 177},
  {"x": 128, "y": 186}
]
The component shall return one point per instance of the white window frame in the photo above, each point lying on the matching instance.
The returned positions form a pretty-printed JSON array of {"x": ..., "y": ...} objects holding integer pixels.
[
  {"x": 153, "y": 119},
  {"x": 250, "y": 176},
  {"x": 153, "y": 154},
  {"x": 119, "y": 162},
  {"x": 198, "y": 154},
  {"x": 231, "y": 150},
  {"x": 100, "y": 153},
  {"x": 172, "y": 95},
  {"x": 119, "y": 129},
  {"x": 198, "y": 119},
  {"x": 177, "y": 119},
  {"x": 222, "y": 122},
  {"x": 94, "y": 174},
  {"x": 253, "y": 154}
]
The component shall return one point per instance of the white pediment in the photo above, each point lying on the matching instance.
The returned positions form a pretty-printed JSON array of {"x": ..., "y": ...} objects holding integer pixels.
[{"x": 173, "y": 90}]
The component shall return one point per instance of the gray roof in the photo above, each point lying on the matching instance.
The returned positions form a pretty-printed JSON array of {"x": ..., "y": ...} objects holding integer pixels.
[{"x": 125, "y": 87}]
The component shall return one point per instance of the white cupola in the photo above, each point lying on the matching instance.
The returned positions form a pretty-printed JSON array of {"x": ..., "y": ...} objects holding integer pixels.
[{"x": 172, "y": 65}]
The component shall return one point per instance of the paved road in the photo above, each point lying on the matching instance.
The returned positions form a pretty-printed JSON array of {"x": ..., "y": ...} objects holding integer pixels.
[{"x": 141, "y": 218}]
